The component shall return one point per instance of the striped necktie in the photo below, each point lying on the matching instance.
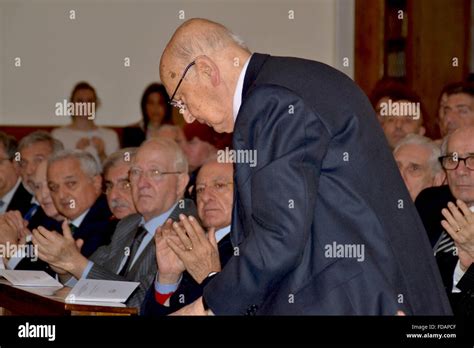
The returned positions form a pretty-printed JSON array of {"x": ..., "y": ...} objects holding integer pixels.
[
  {"x": 137, "y": 240},
  {"x": 445, "y": 244}
]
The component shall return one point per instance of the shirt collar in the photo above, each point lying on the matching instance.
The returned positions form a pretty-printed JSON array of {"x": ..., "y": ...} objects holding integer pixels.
[
  {"x": 239, "y": 88},
  {"x": 220, "y": 234},
  {"x": 9, "y": 195},
  {"x": 157, "y": 221},
  {"x": 78, "y": 221}
]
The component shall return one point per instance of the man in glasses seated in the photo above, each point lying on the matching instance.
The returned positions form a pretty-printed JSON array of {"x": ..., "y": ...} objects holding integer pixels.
[
  {"x": 454, "y": 262},
  {"x": 158, "y": 176}
]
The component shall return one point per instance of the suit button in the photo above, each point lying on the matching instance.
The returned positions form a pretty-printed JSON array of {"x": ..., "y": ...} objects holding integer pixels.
[{"x": 251, "y": 310}]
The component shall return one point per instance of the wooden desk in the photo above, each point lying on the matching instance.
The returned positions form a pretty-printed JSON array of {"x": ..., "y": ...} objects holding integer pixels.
[{"x": 28, "y": 301}]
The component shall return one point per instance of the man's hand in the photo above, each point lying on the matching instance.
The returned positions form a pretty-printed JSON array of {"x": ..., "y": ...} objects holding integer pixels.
[
  {"x": 195, "y": 308},
  {"x": 200, "y": 254},
  {"x": 13, "y": 228},
  {"x": 60, "y": 251},
  {"x": 169, "y": 264},
  {"x": 459, "y": 224}
]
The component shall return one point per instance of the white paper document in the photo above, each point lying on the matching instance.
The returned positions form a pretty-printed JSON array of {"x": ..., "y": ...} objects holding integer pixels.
[
  {"x": 30, "y": 278},
  {"x": 95, "y": 290}
]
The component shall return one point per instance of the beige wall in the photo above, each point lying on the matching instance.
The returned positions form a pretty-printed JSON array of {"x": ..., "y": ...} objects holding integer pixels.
[{"x": 56, "y": 51}]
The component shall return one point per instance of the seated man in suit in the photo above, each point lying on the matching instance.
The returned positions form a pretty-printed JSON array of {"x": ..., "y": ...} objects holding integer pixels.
[
  {"x": 117, "y": 185},
  {"x": 176, "y": 286},
  {"x": 13, "y": 195},
  {"x": 75, "y": 182},
  {"x": 417, "y": 160},
  {"x": 456, "y": 111},
  {"x": 158, "y": 177},
  {"x": 19, "y": 230},
  {"x": 454, "y": 260}
]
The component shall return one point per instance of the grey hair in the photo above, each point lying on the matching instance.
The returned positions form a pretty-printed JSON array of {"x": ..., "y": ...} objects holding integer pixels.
[
  {"x": 89, "y": 164},
  {"x": 119, "y": 157},
  {"x": 180, "y": 160},
  {"x": 427, "y": 143},
  {"x": 9, "y": 144},
  {"x": 444, "y": 145},
  {"x": 40, "y": 136}
]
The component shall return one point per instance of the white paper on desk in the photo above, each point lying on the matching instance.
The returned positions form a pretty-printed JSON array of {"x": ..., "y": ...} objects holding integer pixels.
[
  {"x": 30, "y": 278},
  {"x": 96, "y": 290}
]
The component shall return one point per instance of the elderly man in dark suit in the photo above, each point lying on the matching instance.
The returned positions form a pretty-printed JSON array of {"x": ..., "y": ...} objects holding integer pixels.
[
  {"x": 158, "y": 176},
  {"x": 322, "y": 221},
  {"x": 175, "y": 286}
]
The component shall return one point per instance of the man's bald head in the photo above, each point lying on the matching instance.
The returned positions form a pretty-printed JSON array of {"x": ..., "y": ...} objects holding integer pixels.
[
  {"x": 206, "y": 93},
  {"x": 197, "y": 37}
]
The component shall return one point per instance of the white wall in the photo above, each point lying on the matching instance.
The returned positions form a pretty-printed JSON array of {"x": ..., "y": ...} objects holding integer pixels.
[{"x": 56, "y": 51}]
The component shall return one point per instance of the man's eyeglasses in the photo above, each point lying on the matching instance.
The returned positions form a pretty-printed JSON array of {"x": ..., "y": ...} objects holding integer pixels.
[
  {"x": 451, "y": 162},
  {"x": 122, "y": 185},
  {"x": 216, "y": 187},
  {"x": 134, "y": 174},
  {"x": 178, "y": 103}
]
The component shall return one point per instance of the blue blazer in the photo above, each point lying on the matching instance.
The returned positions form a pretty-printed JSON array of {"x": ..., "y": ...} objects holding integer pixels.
[{"x": 325, "y": 185}]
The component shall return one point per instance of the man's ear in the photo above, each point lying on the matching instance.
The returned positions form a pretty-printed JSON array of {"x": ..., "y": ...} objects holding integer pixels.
[
  {"x": 97, "y": 181},
  {"x": 183, "y": 180},
  {"x": 439, "y": 178},
  {"x": 207, "y": 68}
]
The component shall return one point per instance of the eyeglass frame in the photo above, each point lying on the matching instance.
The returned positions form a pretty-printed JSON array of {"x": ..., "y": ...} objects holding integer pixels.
[
  {"x": 177, "y": 103},
  {"x": 197, "y": 186},
  {"x": 459, "y": 159},
  {"x": 123, "y": 185},
  {"x": 151, "y": 170}
]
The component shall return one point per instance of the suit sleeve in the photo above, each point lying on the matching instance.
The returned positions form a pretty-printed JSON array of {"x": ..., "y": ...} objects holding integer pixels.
[{"x": 290, "y": 141}]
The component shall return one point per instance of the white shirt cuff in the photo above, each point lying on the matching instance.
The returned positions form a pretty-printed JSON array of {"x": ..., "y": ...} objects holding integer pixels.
[{"x": 458, "y": 274}]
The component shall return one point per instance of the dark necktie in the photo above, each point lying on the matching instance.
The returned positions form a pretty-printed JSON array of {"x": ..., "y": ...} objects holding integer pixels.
[
  {"x": 445, "y": 243},
  {"x": 1, "y": 203},
  {"x": 73, "y": 228},
  {"x": 137, "y": 240}
]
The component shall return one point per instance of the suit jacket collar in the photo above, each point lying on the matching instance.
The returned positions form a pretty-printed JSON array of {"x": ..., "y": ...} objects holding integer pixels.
[{"x": 255, "y": 65}]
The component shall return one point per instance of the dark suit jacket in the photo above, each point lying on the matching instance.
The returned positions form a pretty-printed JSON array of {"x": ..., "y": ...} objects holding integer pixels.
[
  {"x": 188, "y": 291},
  {"x": 39, "y": 219},
  {"x": 97, "y": 227},
  {"x": 325, "y": 180},
  {"x": 21, "y": 200},
  {"x": 429, "y": 204}
]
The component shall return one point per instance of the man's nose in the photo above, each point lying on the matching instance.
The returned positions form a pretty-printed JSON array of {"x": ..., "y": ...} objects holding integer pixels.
[{"x": 462, "y": 170}]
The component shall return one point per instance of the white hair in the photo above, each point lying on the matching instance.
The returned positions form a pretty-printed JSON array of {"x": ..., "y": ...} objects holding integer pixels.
[
  {"x": 88, "y": 162},
  {"x": 180, "y": 160},
  {"x": 427, "y": 143}
]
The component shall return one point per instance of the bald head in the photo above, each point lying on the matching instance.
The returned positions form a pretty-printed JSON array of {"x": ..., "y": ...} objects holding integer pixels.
[
  {"x": 197, "y": 37},
  {"x": 206, "y": 92}
]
